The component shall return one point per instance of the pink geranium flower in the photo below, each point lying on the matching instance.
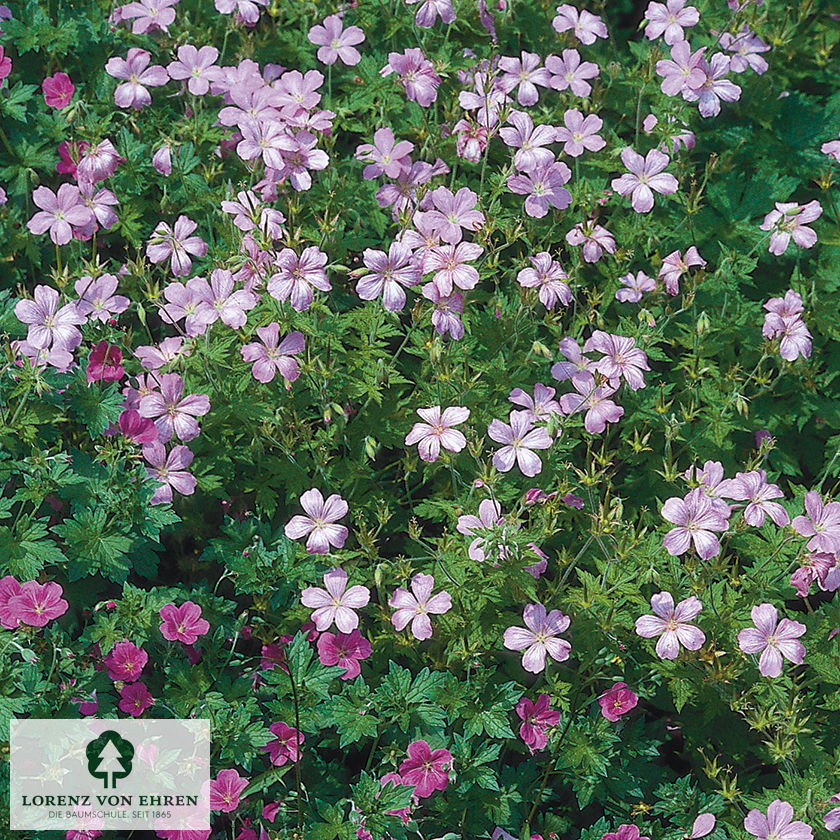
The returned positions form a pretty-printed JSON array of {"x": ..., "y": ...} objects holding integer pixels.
[
  {"x": 821, "y": 523},
  {"x": 625, "y": 832},
  {"x": 714, "y": 86},
  {"x": 548, "y": 276},
  {"x": 594, "y": 238},
  {"x": 529, "y": 140},
  {"x": 675, "y": 266},
  {"x": 270, "y": 357},
  {"x": 524, "y": 73},
  {"x": 174, "y": 413},
  {"x": 634, "y": 287},
  {"x": 536, "y": 719},
  {"x": 569, "y": 72},
  {"x": 48, "y": 323},
  {"x": 683, "y": 72},
  {"x": 125, "y": 661},
  {"x": 773, "y": 639},
  {"x": 58, "y": 90},
  {"x": 586, "y": 26},
  {"x": 170, "y": 470},
  {"x": 428, "y": 13},
  {"x": 136, "y": 428},
  {"x": 285, "y": 746},
  {"x": 345, "y": 650},
  {"x": 97, "y": 298},
  {"x": 135, "y": 71},
  {"x": 778, "y": 824},
  {"x": 63, "y": 214},
  {"x": 149, "y": 15},
  {"x": 668, "y": 19},
  {"x": 297, "y": 276},
  {"x": 671, "y": 625},
  {"x": 334, "y": 604},
  {"x": 483, "y": 527},
  {"x": 5, "y": 65},
  {"x": 746, "y": 47},
  {"x": 452, "y": 213},
  {"x": 539, "y": 637},
  {"x": 754, "y": 487},
  {"x": 9, "y": 587},
  {"x": 621, "y": 359},
  {"x": 646, "y": 176},
  {"x": 391, "y": 274},
  {"x": 702, "y": 826},
  {"x": 617, "y": 701},
  {"x": 104, "y": 364},
  {"x": 416, "y": 73},
  {"x": 449, "y": 263},
  {"x": 386, "y": 156},
  {"x": 789, "y": 221},
  {"x": 184, "y": 623},
  {"x": 543, "y": 187},
  {"x": 540, "y": 406},
  {"x": 425, "y": 769},
  {"x": 416, "y": 605},
  {"x": 580, "y": 134},
  {"x": 176, "y": 244},
  {"x": 438, "y": 431},
  {"x": 37, "y": 604},
  {"x": 592, "y": 399},
  {"x": 135, "y": 699},
  {"x": 225, "y": 790},
  {"x": 248, "y": 11},
  {"x": 696, "y": 517},
  {"x": 336, "y": 42},
  {"x": 197, "y": 67},
  {"x": 519, "y": 438},
  {"x": 319, "y": 526}
]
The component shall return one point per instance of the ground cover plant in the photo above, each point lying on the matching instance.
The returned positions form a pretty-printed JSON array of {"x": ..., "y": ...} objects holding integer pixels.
[{"x": 440, "y": 397}]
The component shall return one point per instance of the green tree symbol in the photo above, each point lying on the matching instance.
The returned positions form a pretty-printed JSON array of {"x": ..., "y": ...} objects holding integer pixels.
[{"x": 109, "y": 754}]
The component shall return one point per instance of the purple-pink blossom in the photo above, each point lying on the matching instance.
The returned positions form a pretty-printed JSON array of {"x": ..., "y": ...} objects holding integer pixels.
[
  {"x": 319, "y": 525},
  {"x": 174, "y": 413},
  {"x": 548, "y": 276},
  {"x": 773, "y": 639},
  {"x": 789, "y": 221},
  {"x": 645, "y": 177},
  {"x": 539, "y": 637},
  {"x": 672, "y": 625},
  {"x": 415, "y": 606},
  {"x": 390, "y": 275},
  {"x": 668, "y": 19},
  {"x": 543, "y": 186},
  {"x": 438, "y": 431},
  {"x": 170, "y": 470},
  {"x": 778, "y": 824},
  {"x": 536, "y": 719},
  {"x": 335, "y": 42},
  {"x": 62, "y": 213},
  {"x": 594, "y": 400},
  {"x": 568, "y": 72},
  {"x": 183, "y": 624},
  {"x": 580, "y": 134},
  {"x": 270, "y": 356},
  {"x": 519, "y": 438},
  {"x": 697, "y": 518},
  {"x": 176, "y": 244},
  {"x": 136, "y": 74},
  {"x": 585, "y": 26},
  {"x": 617, "y": 701},
  {"x": 336, "y": 603}
]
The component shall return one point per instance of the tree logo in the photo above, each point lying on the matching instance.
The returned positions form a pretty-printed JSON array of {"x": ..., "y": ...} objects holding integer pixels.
[{"x": 109, "y": 755}]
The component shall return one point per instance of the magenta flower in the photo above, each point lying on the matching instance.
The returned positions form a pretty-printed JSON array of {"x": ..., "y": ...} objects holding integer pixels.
[
  {"x": 675, "y": 266},
  {"x": 778, "y": 824},
  {"x": 336, "y": 42},
  {"x": 136, "y": 428},
  {"x": 297, "y": 276},
  {"x": 177, "y": 245},
  {"x": 580, "y": 134},
  {"x": 392, "y": 273},
  {"x": 621, "y": 360},
  {"x": 487, "y": 524},
  {"x": 772, "y": 638},
  {"x": 174, "y": 414},
  {"x": 63, "y": 214},
  {"x": 683, "y": 71},
  {"x": 386, "y": 156},
  {"x": 225, "y": 790},
  {"x": 544, "y": 187},
  {"x": 170, "y": 470},
  {"x": 104, "y": 364},
  {"x": 594, "y": 400},
  {"x": 668, "y": 19},
  {"x": 319, "y": 526},
  {"x": 539, "y": 637},
  {"x": 344, "y": 650},
  {"x": 696, "y": 517},
  {"x": 125, "y": 661},
  {"x": 646, "y": 176},
  {"x": 671, "y": 625},
  {"x": 519, "y": 438},
  {"x": 821, "y": 523},
  {"x": 49, "y": 324},
  {"x": 753, "y": 486},
  {"x": 438, "y": 431},
  {"x": 284, "y": 748},
  {"x": 135, "y": 699},
  {"x": 788, "y": 221},
  {"x": 536, "y": 719},
  {"x": 594, "y": 238},
  {"x": 449, "y": 262},
  {"x": 624, "y": 832},
  {"x": 428, "y": 13},
  {"x": 548, "y": 276},
  {"x": 9, "y": 587},
  {"x": 635, "y": 286},
  {"x": 269, "y": 357},
  {"x": 135, "y": 71},
  {"x": 5, "y": 65},
  {"x": 334, "y": 604},
  {"x": 416, "y": 73},
  {"x": 58, "y": 90},
  {"x": 568, "y": 72},
  {"x": 586, "y": 26},
  {"x": 617, "y": 701},
  {"x": 184, "y": 623},
  {"x": 37, "y": 604},
  {"x": 425, "y": 769},
  {"x": 197, "y": 66},
  {"x": 525, "y": 73},
  {"x": 451, "y": 213},
  {"x": 529, "y": 141},
  {"x": 714, "y": 87},
  {"x": 416, "y": 605}
]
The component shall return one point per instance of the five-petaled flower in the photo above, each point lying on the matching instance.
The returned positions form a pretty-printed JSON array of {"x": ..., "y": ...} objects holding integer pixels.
[
  {"x": 671, "y": 624},
  {"x": 336, "y": 603}
]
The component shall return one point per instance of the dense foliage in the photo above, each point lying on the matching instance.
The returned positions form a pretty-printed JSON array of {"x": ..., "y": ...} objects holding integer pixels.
[{"x": 440, "y": 397}]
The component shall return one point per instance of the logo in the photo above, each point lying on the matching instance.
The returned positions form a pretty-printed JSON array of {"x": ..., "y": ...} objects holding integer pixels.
[{"x": 109, "y": 755}]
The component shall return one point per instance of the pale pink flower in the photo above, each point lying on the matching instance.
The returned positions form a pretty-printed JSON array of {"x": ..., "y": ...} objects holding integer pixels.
[
  {"x": 594, "y": 238},
  {"x": 416, "y": 73},
  {"x": 788, "y": 221},
  {"x": 569, "y": 72},
  {"x": 594, "y": 400},
  {"x": 541, "y": 406},
  {"x": 387, "y": 157},
  {"x": 451, "y": 213},
  {"x": 197, "y": 67},
  {"x": 714, "y": 87},
  {"x": 646, "y": 176},
  {"x": 580, "y": 134},
  {"x": 247, "y": 10},
  {"x": 634, "y": 287},
  {"x": 753, "y": 486},
  {"x": 529, "y": 141},
  {"x": 62, "y": 213},
  {"x": 49, "y": 323},
  {"x": 135, "y": 71},
  {"x": 416, "y": 605},
  {"x": 149, "y": 15},
  {"x": 334, "y": 604},
  {"x": 671, "y": 625},
  {"x": 448, "y": 308},
  {"x": 696, "y": 517},
  {"x": 821, "y": 523},
  {"x": 170, "y": 470},
  {"x": 746, "y": 47},
  {"x": 297, "y": 276},
  {"x": 270, "y": 357},
  {"x": 428, "y": 13},
  {"x": 176, "y": 244},
  {"x": 539, "y": 637},
  {"x": 548, "y": 276},
  {"x": 772, "y": 638},
  {"x": 438, "y": 431},
  {"x": 586, "y": 26},
  {"x": 449, "y": 262},
  {"x": 525, "y": 73},
  {"x": 669, "y": 19},
  {"x": 675, "y": 266},
  {"x": 683, "y": 71},
  {"x": 319, "y": 524},
  {"x": 391, "y": 274},
  {"x": 778, "y": 824},
  {"x": 336, "y": 42},
  {"x": 173, "y": 413},
  {"x": 621, "y": 360},
  {"x": 543, "y": 187},
  {"x": 487, "y": 524},
  {"x": 519, "y": 438}
]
